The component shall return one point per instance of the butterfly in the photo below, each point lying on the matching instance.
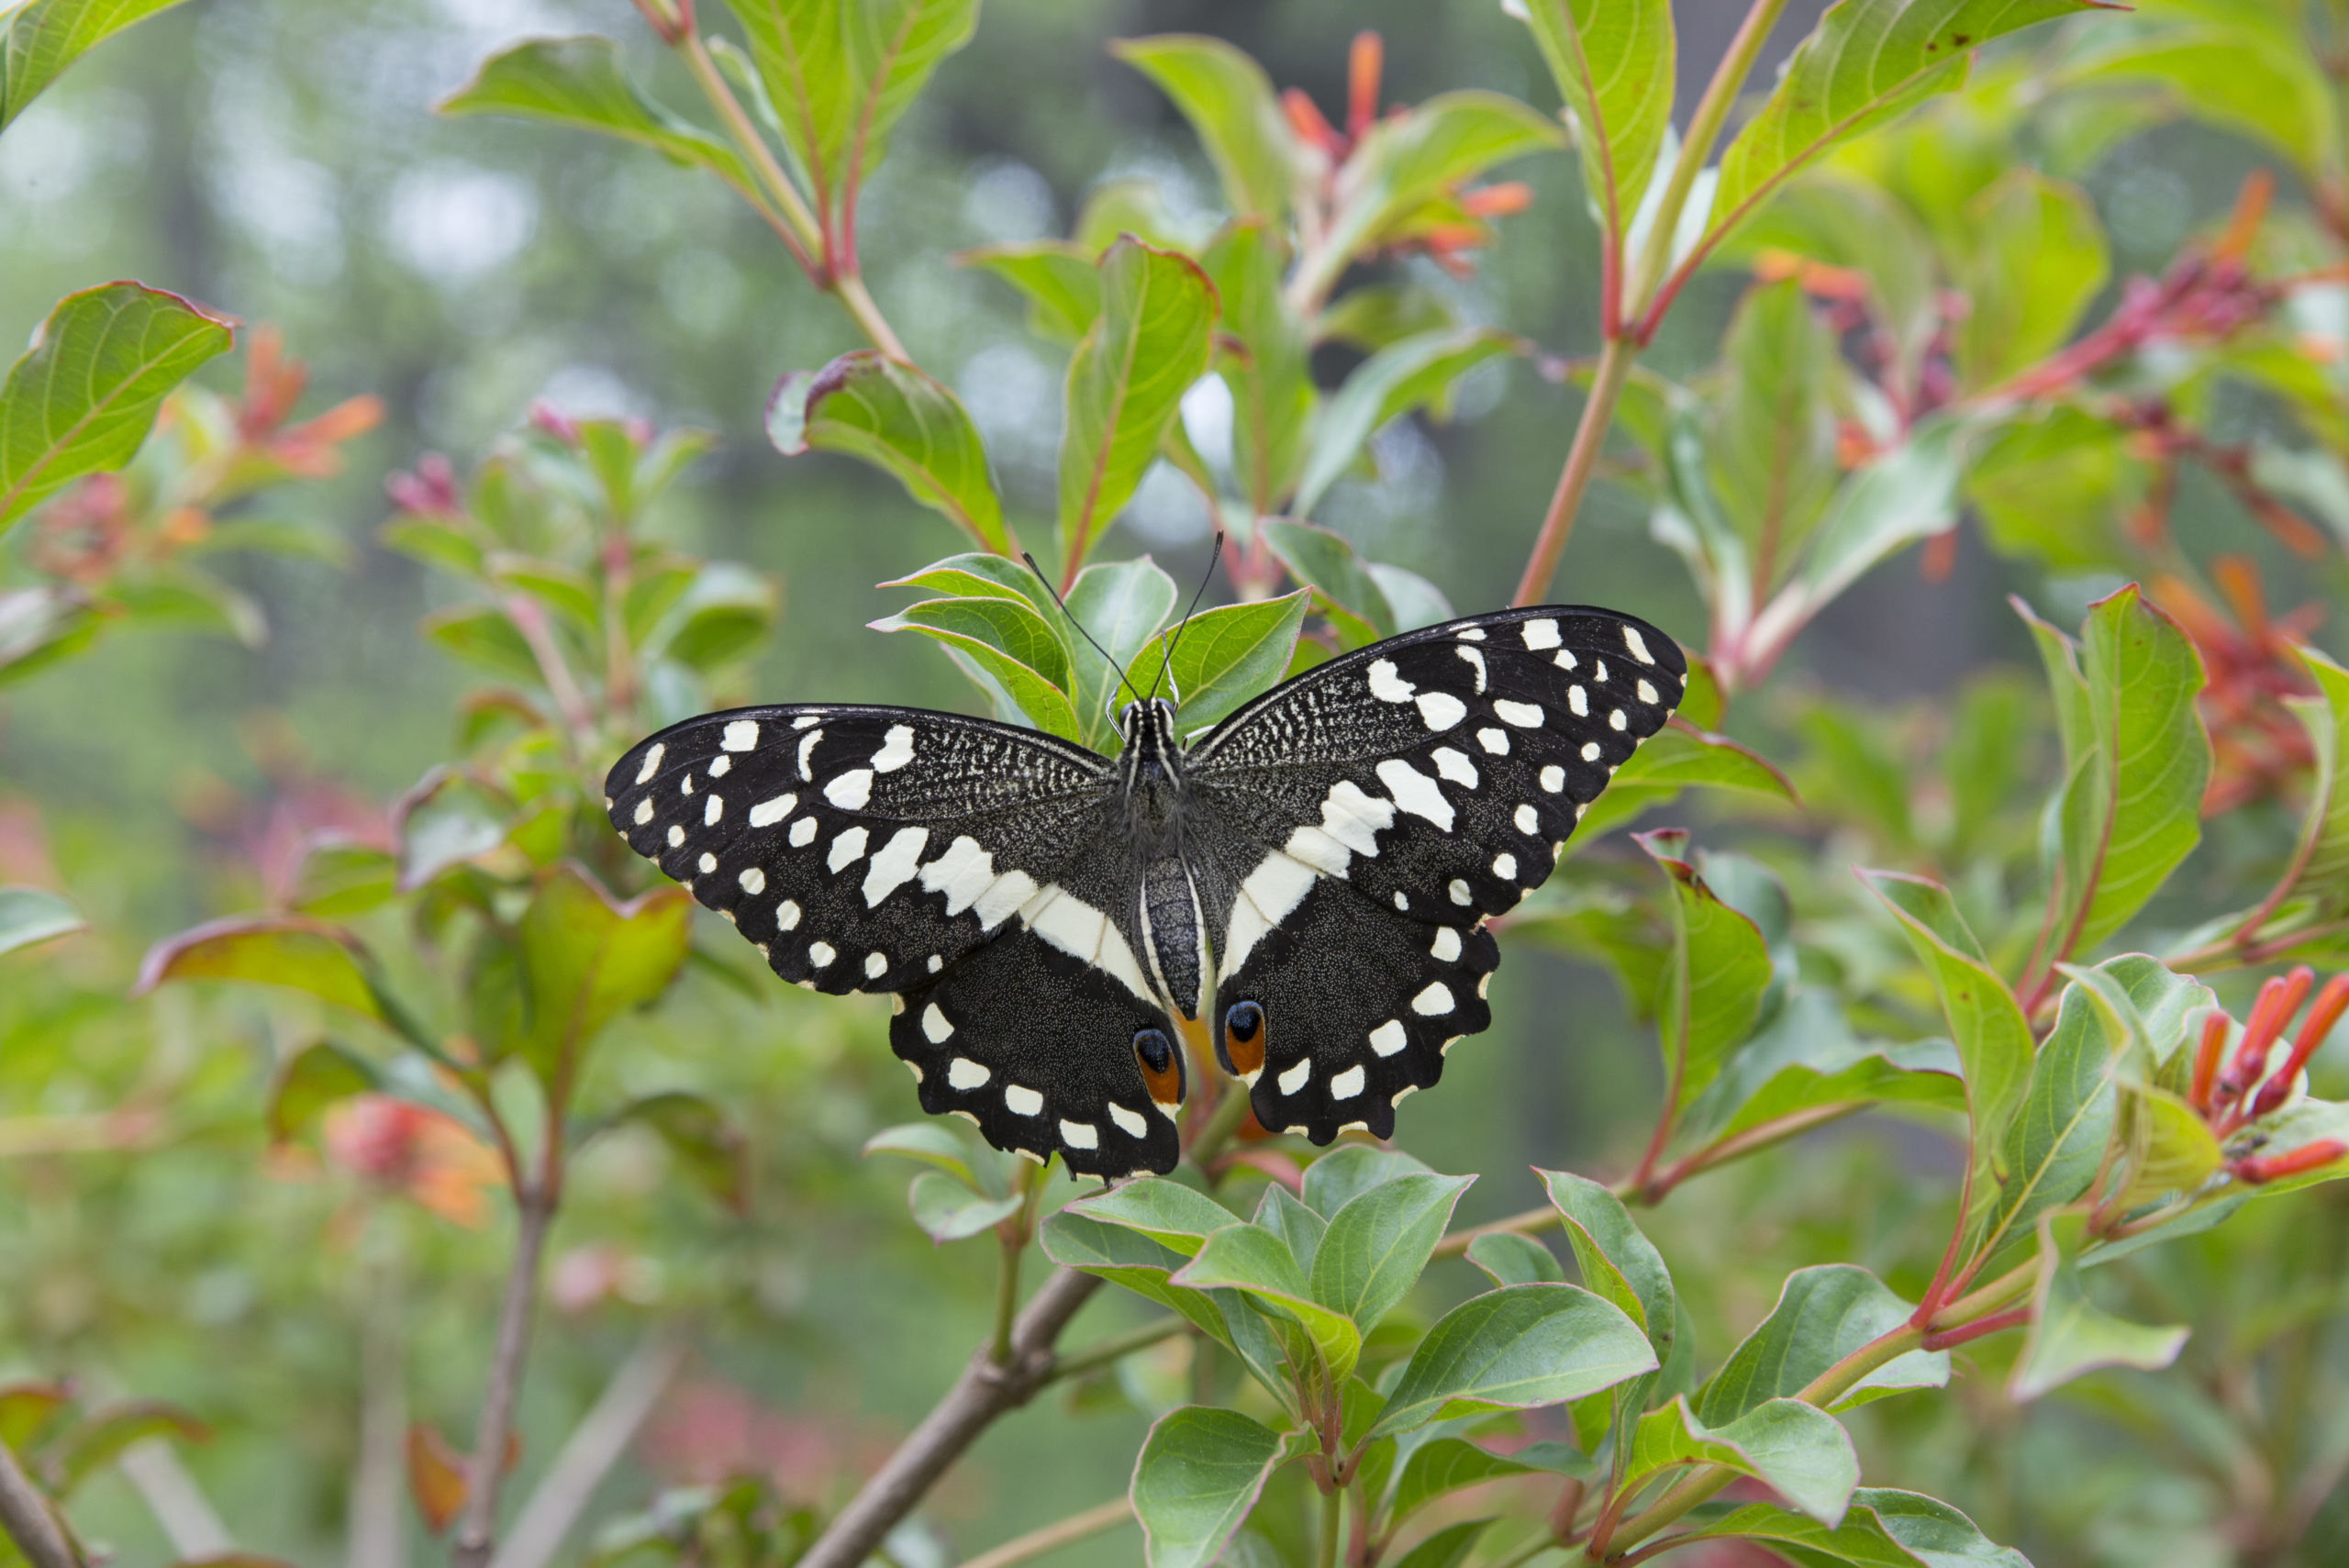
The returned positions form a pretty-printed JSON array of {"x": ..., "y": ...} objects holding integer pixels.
[{"x": 1312, "y": 875}]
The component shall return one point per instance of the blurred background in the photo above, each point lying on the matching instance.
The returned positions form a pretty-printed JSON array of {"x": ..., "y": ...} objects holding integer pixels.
[{"x": 280, "y": 160}]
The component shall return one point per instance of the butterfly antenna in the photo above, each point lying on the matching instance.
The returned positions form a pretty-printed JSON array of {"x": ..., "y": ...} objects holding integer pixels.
[
  {"x": 1166, "y": 662},
  {"x": 1088, "y": 637}
]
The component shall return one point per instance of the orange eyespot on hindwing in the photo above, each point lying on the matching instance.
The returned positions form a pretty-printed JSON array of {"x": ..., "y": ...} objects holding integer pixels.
[
  {"x": 1243, "y": 1046},
  {"x": 1162, "y": 1068}
]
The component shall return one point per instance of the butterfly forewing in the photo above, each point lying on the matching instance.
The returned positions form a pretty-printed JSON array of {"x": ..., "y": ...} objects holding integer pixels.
[
  {"x": 1424, "y": 782},
  {"x": 862, "y": 849}
]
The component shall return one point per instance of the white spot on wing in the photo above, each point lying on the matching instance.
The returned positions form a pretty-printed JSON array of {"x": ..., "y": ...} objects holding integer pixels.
[
  {"x": 1590, "y": 750},
  {"x": 1021, "y": 1101},
  {"x": 936, "y": 963},
  {"x": 1541, "y": 634},
  {"x": 807, "y": 754},
  {"x": 1598, "y": 670},
  {"x": 1446, "y": 946},
  {"x": 935, "y": 1028},
  {"x": 740, "y": 735},
  {"x": 1318, "y": 850},
  {"x": 848, "y": 849},
  {"x": 1505, "y": 867},
  {"x": 1003, "y": 897},
  {"x": 1389, "y": 1036},
  {"x": 963, "y": 873},
  {"x": 644, "y": 811},
  {"x": 1458, "y": 893},
  {"x": 1647, "y": 691},
  {"x": 1347, "y": 1085},
  {"x": 851, "y": 790},
  {"x": 1615, "y": 720},
  {"x": 1527, "y": 820},
  {"x": 1472, "y": 634},
  {"x": 1294, "y": 1079},
  {"x": 708, "y": 863},
  {"x": 676, "y": 835},
  {"x": 1494, "y": 741},
  {"x": 651, "y": 763},
  {"x": 803, "y": 832},
  {"x": 1441, "y": 710},
  {"x": 1638, "y": 645},
  {"x": 1455, "y": 766},
  {"x": 876, "y": 964},
  {"x": 896, "y": 748},
  {"x": 1524, "y": 715},
  {"x": 1276, "y": 886},
  {"x": 964, "y": 1074},
  {"x": 786, "y": 916},
  {"x": 1387, "y": 685},
  {"x": 1080, "y": 1134},
  {"x": 767, "y": 813},
  {"x": 1075, "y": 927},
  {"x": 1434, "y": 1001},
  {"x": 820, "y": 953},
  {"x": 1131, "y": 1124},
  {"x": 1578, "y": 701},
  {"x": 1401, "y": 902},
  {"x": 1415, "y": 792},
  {"x": 1355, "y": 818},
  {"x": 804, "y": 719},
  {"x": 1566, "y": 658},
  {"x": 722, "y": 767},
  {"x": 716, "y": 809},
  {"x": 1477, "y": 662},
  {"x": 895, "y": 865}
]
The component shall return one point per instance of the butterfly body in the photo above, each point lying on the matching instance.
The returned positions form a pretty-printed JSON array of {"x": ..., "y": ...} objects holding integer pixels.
[{"x": 1311, "y": 875}]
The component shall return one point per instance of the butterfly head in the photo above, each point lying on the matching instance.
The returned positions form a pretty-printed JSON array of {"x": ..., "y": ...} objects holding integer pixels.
[{"x": 1148, "y": 730}]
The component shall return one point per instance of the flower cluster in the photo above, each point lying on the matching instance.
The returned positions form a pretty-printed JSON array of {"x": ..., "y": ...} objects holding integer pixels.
[{"x": 2230, "y": 1094}]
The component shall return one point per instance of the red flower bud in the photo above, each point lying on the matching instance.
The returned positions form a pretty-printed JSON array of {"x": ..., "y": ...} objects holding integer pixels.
[
  {"x": 2307, "y": 1157},
  {"x": 1363, "y": 63},
  {"x": 2278, "y": 1000},
  {"x": 2326, "y": 1012},
  {"x": 2206, "y": 1058}
]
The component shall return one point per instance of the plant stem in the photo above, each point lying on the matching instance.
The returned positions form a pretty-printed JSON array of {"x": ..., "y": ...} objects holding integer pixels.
[
  {"x": 804, "y": 238},
  {"x": 1229, "y": 1112},
  {"x": 985, "y": 1390},
  {"x": 478, "y": 1526},
  {"x": 1649, "y": 299},
  {"x": 850, "y": 289},
  {"x": 591, "y": 1450},
  {"x": 1036, "y": 1542},
  {"x": 1582, "y": 462},
  {"x": 1333, "y": 1508},
  {"x": 1117, "y": 1347},
  {"x": 26, "y": 1515}
]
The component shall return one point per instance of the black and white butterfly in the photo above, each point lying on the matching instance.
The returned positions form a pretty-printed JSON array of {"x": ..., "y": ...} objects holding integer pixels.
[{"x": 1312, "y": 875}]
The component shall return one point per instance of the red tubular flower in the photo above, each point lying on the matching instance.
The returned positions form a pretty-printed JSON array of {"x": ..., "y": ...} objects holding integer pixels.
[
  {"x": 2330, "y": 1004},
  {"x": 1364, "y": 63},
  {"x": 1305, "y": 119},
  {"x": 2278, "y": 1000},
  {"x": 2206, "y": 1059},
  {"x": 2307, "y": 1157}
]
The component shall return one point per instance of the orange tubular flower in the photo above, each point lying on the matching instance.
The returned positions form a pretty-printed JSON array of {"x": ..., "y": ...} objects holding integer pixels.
[
  {"x": 2253, "y": 1084},
  {"x": 2248, "y": 656}
]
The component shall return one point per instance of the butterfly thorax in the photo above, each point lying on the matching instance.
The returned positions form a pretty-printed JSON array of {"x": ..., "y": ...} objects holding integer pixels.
[{"x": 1151, "y": 770}]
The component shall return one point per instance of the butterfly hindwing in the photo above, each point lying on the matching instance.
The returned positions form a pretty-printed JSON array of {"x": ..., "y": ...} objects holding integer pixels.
[
  {"x": 861, "y": 849},
  {"x": 1041, "y": 1050},
  {"x": 1426, "y": 781}
]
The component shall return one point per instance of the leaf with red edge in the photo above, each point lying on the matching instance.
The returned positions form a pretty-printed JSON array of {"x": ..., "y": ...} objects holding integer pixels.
[
  {"x": 99, "y": 1438},
  {"x": 588, "y": 958},
  {"x": 323, "y": 960}
]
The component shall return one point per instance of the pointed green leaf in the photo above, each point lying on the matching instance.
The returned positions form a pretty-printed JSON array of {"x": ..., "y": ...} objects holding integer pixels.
[
  {"x": 948, "y": 1211},
  {"x": 1011, "y": 642},
  {"x": 1867, "y": 61},
  {"x": 1447, "y": 1548},
  {"x": 303, "y": 955},
  {"x": 1347, "y": 1171},
  {"x": 1229, "y": 102},
  {"x": 1408, "y": 374},
  {"x": 100, "y": 1438},
  {"x": 38, "y": 41},
  {"x": 1713, "y": 980},
  {"x": 1612, "y": 61},
  {"x": 1122, "y": 606},
  {"x": 1126, "y": 382},
  {"x": 1224, "y": 657},
  {"x": 1439, "y": 1468},
  {"x": 579, "y": 81},
  {"x": 588, "y": 958},
  {"x": 1294, "y": 1224},
  {"x": 1259, "y": 1265},
  {"x": 2320, "y": 864},
  {"x": 1507, "y": 1258},
  {"x": 1057, "y": 277},
  {"x": 935, "y": 1144},
  {"x": 30, "y": 915},
  {"x": 1408, "y": 160},
  {"x": 1993, "y": 1039},
  {"x": 1199, "y": 1473},
  {"x": 1261, "y": 357},
  {"x": 1882, "y": 1529},
  {"x": 82, "y": 396},
  {"x": 1343, "y": 588},
  {"x": 1618, "y": 1262},
  {"x": 2070, "y": 1335},
  {"x": 1674, "y": 759},
  {"x": 310, "y": 1080},
  {"x": 1823, "y": 1314},
  {"x": 2058, "y": 1135},
  {"x": 1167, "y": 1212},
  {"x": 1516, "y": 1348},
  {"x": 1798, "y": 1450},
  {"x": 1773, "y": 425},
  {"x": 2039, "y": 260},
  {"x": 1806, "y": 1058},
  {"x": 1132, "y": 1260},
  {"x": 1375, "y": 1247},
  {"x": 892, "y": 416}
]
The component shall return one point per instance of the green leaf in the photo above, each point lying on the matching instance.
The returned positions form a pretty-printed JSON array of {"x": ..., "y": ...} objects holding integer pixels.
[
  {"x": 1347, "y": 1171},
  {"x": 38, "y": 41},
  {"x": 588, "y": 958},
  {"x": 894, "y": 417},
  {"x": 724, "y": 612},
  {"x": 1806, "y": 1057},
  {"x": 1122, "y": 604},
  {"x": 704, "y": 1143},
  {"x": 2173, "y": 1147},
  {"x": 2058, "y": 1137},
  {"x": 99, "y": 1439},
  {"x": 1126, "y": 382},
  {"x": 1199, "y": 1473},
  {"x": 938, "y": 1144},
  {"x": 39, "y": 627},
  {"x": 2039, "y": 260},
  {"x": 1986, "y": 1022},
  {"x": 1797, "y": 1450},
  {"x": 1229, "y": 102},
  {"x": 1405, "y": 374},
  {"x": 1008, "y": 639},
  {"x": 1444, "y": 1466},
  {"x": 2263, "y": 81},
  {"x": 1514, "y": 1348},
  {"x": 2320, "y": 863},
  {"x": 1408, "y": 160},
  {"x": 1882, "y": 1529},
  {"x": 28, "y": 914},
  {"x": 1062, "y": 284},
  {"x": 1712, "y": 982},
  {"x": 1259, "y": 1265},
  {"x": 1618, "y": 1262},
  {"x": 1167, "y": 1212},
  {"x": 82, "y": 397},
  {"x": 1343, "y": 588},
  {"x": 26, "y": 1408},
  {"x": 2132, "y": 807},
  {"x": 1447, "y": 1548},
  {"x": 267, "y": 949},
  {"x": 579, "y": 81},
  {"x": 1132, "y": 1260},
  {"x": 1375, "y": 1247},
  {"x": 948, "y": 1211},
  {"x": 2071, "y": 1335},
  {"x": 1674, "y": 759},
  {"x": 1261, "y": 357},
  {"x": 1773, "y": 441},
  {"x": 1507, "y": 1258},
  {"x": 1416, "y": 601},
  {"x": 1293, "y": 1223},
  {"x": 1867, "y": 61},
  {"x": 1833, "y": 216},
  {"x": 310, "y": 1080},
  {"x": 2050, "y": 485},
  {"x": 1823, "y": 1314},
  {"x": 1224, "y": 656},
  {"x": 1612, "y": 61}
]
